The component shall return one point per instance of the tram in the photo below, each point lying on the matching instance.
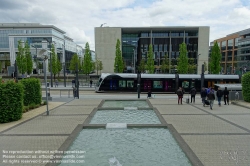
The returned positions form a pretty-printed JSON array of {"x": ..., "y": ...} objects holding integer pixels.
[{"x": 159, "y": 83}]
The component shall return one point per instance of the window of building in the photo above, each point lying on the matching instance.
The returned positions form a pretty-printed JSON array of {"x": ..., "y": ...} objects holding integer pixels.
[{"x": 230, "y": 44}]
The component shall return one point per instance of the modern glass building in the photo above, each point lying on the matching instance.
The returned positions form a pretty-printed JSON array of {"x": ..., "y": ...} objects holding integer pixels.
[
  {"x": 135, "y": 43},
  {"x": 38, "y": 37},
  {"x": 235, "y": 50}
]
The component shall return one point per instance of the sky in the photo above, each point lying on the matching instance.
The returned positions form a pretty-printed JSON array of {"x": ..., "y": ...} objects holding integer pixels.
[{"x": 78, "y": 18}]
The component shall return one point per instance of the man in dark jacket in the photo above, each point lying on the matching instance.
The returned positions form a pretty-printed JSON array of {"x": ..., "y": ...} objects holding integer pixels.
[
  {"x": 180, "y": 95},
  {"x": 193, "y": 93},
  {"x": 219, "y": 94},
  {"x": 226, "y": 98},
  {"x": 203, "y": 95},
  {"x": 211, "y": 98}
]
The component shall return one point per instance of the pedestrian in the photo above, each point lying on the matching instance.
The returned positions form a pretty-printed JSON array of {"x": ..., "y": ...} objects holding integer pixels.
[
  {"x": 180, "y": 95},
  {"x": 91, "y": 82},
  {"x": 226, "y": 97},
  {"x": 149, "y": 94},
  {"x": 56, "y": 82},
  {"x": 211, "y": 98},
  {"x": 183, "y": 90},
  {"x": 203, "y": 95},
  {"x": 208, "y": 89},
  {"x": 193, "y": 93},
  {"x": 219, "y": 94}
]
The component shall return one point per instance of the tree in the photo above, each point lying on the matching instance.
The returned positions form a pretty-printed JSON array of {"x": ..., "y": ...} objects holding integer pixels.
[
  {"x": 87, "y": 60},
  {"x": 54, "y": 62},
  {"x": 214, "y": 64},
  {"x": 28, "y": 58},
  {"x": 245, "y": 81},
  {"x": 182, "y": 63},
  {"x": 142, "y": 66},
  {"x": 59, "y": 66},
  {"x": 119, "y": 64},
  {"x": 150, "y": 60},
  {"x": 74, "y": 60},
  {"x": 191, "y": 66},
  {"x": 21, "y": 59},
  {"x": 165, "y": 64}
]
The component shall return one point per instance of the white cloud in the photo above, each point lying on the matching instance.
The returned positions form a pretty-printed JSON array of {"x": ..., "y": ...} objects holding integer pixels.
[{"x": 78, "y": 18}]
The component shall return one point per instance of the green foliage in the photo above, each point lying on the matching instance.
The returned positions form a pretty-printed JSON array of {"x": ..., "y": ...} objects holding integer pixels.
[
  {"x": 142, "y": 66},
  {"x": 119, "y": 64},
  {"x": 59, "y": 67},
  {"x": 54, "y": 61},
  {"x": 28, "y": 58},
  {"x": 21, "y": 58},
  {"x": 245, "y": 81},
  {"x": 191, "y": 66},
  {"x": 74, "y": 60},
  {"x": 32, "y": 91},
  {"x": 99, "y": 65},
  {"x": 11, "y": 101},
  {"x": 214, "y": 63},
  {"x": 87, "y": 61},
  {"x": 165, "y": 64},
  {"x": 150, "y": 60},
  {"x": 182, "y": 63}
]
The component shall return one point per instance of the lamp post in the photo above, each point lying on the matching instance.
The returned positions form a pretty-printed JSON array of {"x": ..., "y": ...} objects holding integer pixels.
[
  {"x": 46, "y": 88},
  {"x": 198, "y": 62},
  {"x": 64, "y": 65},
  {"x": 51, "y": 82}
]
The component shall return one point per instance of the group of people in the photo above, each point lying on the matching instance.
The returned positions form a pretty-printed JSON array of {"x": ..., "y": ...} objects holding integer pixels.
[
  {"x": 210, "y": 95},
  {"x": 206, "y": 95}
]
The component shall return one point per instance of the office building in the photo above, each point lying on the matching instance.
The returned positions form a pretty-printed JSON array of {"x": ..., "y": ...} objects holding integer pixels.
[
  {"x": 135, "y": 43},
  {"x": 235, "y": 50},
  {"x": 39, "y": 37}
]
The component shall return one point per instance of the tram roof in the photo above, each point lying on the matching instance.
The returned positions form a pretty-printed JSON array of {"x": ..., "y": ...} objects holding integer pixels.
[{"x": 220, "y": 76}]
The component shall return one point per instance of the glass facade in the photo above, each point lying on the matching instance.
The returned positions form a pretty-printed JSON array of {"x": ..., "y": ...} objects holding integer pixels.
[{"x": 163, "y": 43}]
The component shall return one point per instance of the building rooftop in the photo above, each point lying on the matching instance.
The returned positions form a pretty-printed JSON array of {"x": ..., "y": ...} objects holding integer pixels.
[{"x": 28, "y": 25}]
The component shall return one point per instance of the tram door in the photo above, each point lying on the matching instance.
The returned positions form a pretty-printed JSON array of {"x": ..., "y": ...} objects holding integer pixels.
[
  {"x": 147, "y": 85},
  {"x": 113, "y": 84}
]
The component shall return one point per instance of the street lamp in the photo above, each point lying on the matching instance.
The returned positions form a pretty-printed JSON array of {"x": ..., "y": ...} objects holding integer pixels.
[
  {"x": 51, "y": 82},
  {"x": 46, "y": 88}
]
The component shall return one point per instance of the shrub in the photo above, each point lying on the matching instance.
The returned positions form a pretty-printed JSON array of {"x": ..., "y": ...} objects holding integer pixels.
[
  {"x": 245, "y": 81},
  {"x": 11, "y": 101},
  {"x": 32, "y": 91}
]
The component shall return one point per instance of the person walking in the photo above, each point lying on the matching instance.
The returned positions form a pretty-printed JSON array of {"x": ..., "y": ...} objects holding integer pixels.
[
  {"x": 56, "y": 83},
  {"x": 211, "y": 98},
  {"x": 149, "y": 94},
  {"x": 193, "y": 93},
  {"x": 203, "y": 95},
  {"x": 180, "y": 95},
  {"x": 90, "y": 82},
  {"x": 219, "y": 94},
  {"x": 226, "y": 98}
]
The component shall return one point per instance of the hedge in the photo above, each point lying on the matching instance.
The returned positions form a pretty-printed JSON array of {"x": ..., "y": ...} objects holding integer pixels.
[
  {"x": 245, "y": 81},
  {"x": 32, "y": 91},
  {"x": 11, "y": 101}
]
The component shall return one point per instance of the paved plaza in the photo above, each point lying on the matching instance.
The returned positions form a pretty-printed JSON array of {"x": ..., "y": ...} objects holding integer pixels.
[{"x": 218, "y": 137}]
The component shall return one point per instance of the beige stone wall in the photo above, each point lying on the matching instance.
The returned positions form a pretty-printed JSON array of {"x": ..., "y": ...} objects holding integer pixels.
[
  {"x": 203, "y": 47},
  {"x": 105, "y": 42}
]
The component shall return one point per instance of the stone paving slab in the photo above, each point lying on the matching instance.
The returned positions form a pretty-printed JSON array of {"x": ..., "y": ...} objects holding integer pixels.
[
  {"x": 224, "y": 109},
  {"x": 220, "y": 150},
  {"x": 85, "y": 102},
  {"x": 31, "y": 143},
  {"x": 49, "y": 125},
  {"x": 178, "y": 109},
  {"x": 68, "y": 110},
  {"x": 200, "y": 124},
  {"x": 242, "y": 120}
]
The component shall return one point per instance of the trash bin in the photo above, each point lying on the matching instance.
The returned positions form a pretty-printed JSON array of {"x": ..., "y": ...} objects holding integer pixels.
[{"x": 47, "y": 84}]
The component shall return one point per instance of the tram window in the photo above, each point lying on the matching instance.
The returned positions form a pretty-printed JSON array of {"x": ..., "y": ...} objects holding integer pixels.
[
  {"x": 157, "y": 84},
  {"x": 185, "y": 84},
  {"x": 130, "y": 84},
  {"x": 122, "y": 83},
  {"x": 192, "y": 84}
]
